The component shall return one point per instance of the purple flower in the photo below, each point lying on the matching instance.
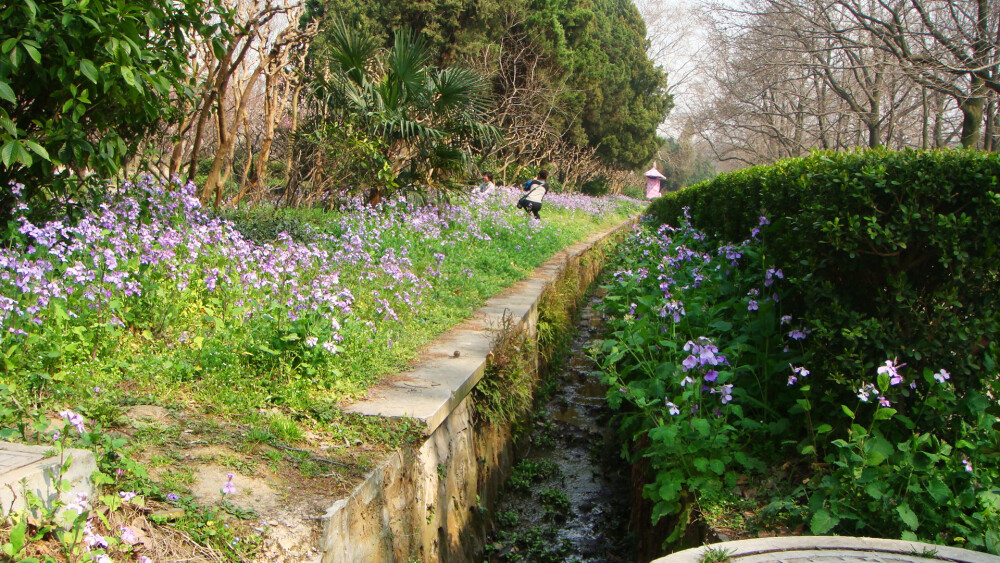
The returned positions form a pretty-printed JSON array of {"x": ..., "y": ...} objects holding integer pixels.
[
  {"x": 942, "y": 376},
  {"x": 711, "y": 375},
  {"x": 883, "y": 401},
  {"x": 785, "y": 319},
  {"x": 797, "y": 335},
  {"x": 229, "y": 487},
  {"x": 792, "y": 379},
  {"x": 752, "y": 306},
  {"x": 128, "y": 536},
  {"x": 686, "y": 381},
  {"x": 689, "y": 362},
  {"x": 673, "y": 409},
  {"x": 93, "y": 539},
  {"x": 127, "y": 495},
  {"x": 865, "y": 392},
  {"x": 727, "y": 393},
  {"x": 75, "y": 419},
  {"x": 891, "y": 368},
  {"x": 172, "y": 496},
  {"x": 967, "y": 464}
]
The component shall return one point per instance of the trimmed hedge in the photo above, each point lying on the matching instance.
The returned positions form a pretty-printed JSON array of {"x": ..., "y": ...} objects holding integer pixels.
[{"x": 891, "y": 252}]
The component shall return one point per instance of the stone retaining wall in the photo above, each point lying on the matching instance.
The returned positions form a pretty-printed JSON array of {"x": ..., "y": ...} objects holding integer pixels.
[{"x": 430, "y": 503}]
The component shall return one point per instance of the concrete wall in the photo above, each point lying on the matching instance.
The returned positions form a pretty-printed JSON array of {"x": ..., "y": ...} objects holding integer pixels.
[{"x": 431, "y": 503}]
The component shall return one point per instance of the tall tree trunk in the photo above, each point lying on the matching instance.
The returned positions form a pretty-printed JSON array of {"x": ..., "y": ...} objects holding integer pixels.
[{"x": 972, "y": 114}]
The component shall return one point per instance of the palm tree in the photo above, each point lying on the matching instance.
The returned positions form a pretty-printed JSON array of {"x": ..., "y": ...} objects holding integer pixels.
[{"x": 426, "y": 119}]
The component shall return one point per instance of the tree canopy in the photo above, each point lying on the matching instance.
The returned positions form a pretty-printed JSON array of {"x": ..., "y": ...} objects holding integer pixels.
[
  {"x": 82, "y": 82},
  {"x": 609, "y": 95}
]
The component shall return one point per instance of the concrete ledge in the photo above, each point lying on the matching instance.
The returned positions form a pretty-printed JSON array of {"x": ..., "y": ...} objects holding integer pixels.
[
  {"x": 32, "y": 468},
  {"x": 831, "y": 548},
  {"x": 441, "y": 380}
]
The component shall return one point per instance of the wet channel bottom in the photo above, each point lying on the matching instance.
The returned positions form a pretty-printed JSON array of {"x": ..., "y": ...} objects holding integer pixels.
[{"x": 568, "y": 495}]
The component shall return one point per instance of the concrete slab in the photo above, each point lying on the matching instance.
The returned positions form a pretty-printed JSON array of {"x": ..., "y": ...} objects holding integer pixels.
[
  {"x": 440, "y": 380},
  {"x": 36, "y": 469},
  {"x": 822, "y": 549}
]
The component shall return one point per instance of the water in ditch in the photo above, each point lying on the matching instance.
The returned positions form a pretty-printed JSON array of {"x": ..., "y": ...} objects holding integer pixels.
[{"x": 567, "y": 499}]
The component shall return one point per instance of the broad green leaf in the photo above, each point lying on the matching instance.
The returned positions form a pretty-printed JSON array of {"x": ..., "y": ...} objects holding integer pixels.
[
  {"x": 7, "y": 152},
  {"x": 847, "y": 411},
  {"x": 822, "y": 522},
  {"x": 874, "y": 490},
  {"x": 33, "y": 53},
  {"x": 702, "y": 427},
  {"x": 31, "y": 8},
  {"x": 823, "y": 428},
  {"x": 37, "y": 149},
  {"x": 7, "y": 93},
  {"x": 89, "y": 70},
  {"x": 717, "y": 466},
  {"x": 9, "y": 44},
  {"x": 908, "y": 516},
  {"x": 884, "y": 413},
  {"x": 129, "y": 76},
  {"x": 17, "y": 534}
]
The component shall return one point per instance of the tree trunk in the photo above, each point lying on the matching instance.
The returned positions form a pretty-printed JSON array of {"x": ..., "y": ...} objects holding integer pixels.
[{"x": 972, "y": 113}]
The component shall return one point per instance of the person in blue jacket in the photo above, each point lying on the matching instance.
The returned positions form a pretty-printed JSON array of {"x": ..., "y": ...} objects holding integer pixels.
[{"x": 535, "y": 189}]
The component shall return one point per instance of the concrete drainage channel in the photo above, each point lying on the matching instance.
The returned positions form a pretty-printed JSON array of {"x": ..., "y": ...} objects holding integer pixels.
[{"x": 430, "y": 503}]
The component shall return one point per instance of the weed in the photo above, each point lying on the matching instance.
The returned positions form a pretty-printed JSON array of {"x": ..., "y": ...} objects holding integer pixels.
[
  {"x": 554, "y": 500},
  {"x": 715, "y": 555},
  {"x": 528, "y": 471},
  {"x": 285, "y": 429},
  {"x": 504, "y": 393},
  {"x": 507, "y": 518}
]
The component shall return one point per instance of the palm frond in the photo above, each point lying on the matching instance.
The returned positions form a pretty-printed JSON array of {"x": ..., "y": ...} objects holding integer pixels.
[
  {"x": 459, "y": 88},
  {"x": 351, "y": 50},
  {"x": 407, "y": 62}
]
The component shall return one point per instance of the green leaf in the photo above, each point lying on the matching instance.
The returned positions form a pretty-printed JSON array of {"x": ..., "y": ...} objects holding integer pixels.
[
  {"x": 847, "y": 411},
  {"x": 17, "y": 534},
  {"x": 939, "y": 491},
  {"x": 129, "y": 76},
  {"x": 702, "y": 427},
  {"x": 7, "y": 152},
  {"x": 908, "y": 516},
  {"x": 37, "y": 149},
  {"x": 823, "y": 428},
  {"x": 884, "y": 413},
  {"x": 875, "y": 491},
  {"x": 717, "y": 466},
  {"x": 883, "y": 381},
  {"x": 9, "y": 44},
  {"x": 33, "y": 53},
  {"x": 822, "y": 522},
  {"x": 7, "y": 93},
  {"x": 89, "y": 70}
]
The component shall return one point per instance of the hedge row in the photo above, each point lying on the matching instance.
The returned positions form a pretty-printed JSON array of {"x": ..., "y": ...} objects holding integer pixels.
[{"x": 891, "y": 251}]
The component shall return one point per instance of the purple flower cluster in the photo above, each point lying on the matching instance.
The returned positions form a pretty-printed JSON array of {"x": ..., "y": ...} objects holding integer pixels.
[{"x": 153, "y": 244}]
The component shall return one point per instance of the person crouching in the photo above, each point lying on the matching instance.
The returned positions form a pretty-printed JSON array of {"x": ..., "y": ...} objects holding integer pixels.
[{"x": 535, "y": 189}]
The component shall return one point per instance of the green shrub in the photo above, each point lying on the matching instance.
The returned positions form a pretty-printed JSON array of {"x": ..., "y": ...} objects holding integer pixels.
[{"x": 875, "y": 278}]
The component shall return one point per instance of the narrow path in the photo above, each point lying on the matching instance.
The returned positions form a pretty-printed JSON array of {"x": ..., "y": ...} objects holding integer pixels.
[{"x": 567, "y": 498}]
